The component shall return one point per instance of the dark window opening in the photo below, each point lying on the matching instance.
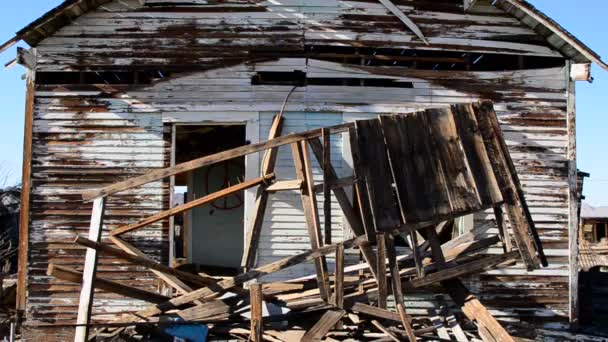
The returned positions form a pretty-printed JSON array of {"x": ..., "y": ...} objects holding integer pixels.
[{"x": 298, "y": 78}]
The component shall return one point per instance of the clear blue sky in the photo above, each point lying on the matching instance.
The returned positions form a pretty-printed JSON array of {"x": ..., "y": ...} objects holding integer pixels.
[{"x": 585, "y": 18}]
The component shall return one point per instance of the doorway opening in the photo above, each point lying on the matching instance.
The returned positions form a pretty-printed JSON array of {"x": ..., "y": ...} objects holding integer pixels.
[{"x": 209, "y": 238}]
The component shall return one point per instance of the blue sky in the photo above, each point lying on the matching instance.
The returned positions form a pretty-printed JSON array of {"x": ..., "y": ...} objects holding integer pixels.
[{"x": 584, "y": 18}]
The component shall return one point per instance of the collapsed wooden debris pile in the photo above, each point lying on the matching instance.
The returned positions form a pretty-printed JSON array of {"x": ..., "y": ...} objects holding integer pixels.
[{"x": 413, "y": 175}]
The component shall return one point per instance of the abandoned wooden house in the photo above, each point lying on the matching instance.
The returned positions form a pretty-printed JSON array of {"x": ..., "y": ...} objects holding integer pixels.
[{"x": 117, "y": 88}]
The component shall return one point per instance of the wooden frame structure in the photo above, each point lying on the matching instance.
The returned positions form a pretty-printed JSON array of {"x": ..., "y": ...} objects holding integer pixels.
[{"x": 413, "y": 174}]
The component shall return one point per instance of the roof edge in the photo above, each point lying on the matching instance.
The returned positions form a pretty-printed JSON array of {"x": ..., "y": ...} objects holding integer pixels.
[{"x": 558, "y": 30}]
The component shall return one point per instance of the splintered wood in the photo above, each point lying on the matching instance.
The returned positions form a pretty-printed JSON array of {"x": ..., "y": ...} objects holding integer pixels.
[{"x": 413, "y": 175}]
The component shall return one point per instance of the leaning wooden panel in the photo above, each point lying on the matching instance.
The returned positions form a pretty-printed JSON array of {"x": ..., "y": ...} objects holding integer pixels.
[
  {"x": 448, "y": 149},
  {"x": 419, "y": 180},
  {"x": 376, "y": 175}
]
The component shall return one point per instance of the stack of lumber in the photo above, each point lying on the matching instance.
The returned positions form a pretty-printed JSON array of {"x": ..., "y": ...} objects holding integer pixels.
[{"x": 414, "y": 174}]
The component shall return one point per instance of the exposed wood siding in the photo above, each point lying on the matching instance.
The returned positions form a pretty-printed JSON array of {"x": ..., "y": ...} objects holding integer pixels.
[{"x": 125, "y": 34}]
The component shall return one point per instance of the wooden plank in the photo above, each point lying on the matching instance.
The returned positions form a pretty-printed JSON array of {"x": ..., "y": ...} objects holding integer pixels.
[
  {"x": 375, "y": 173},
  {"x": 294, "y": 184},
  {"x": 326, "y": 186},
  {"x": 208, "y": 160},
  {"x": 324, "y": 325},
  {"x": 193, "y": 204},
  {"x": 573, "y": 210},
  {"x": 464, "y": 269},
  {"x": 397, "y": 291},
  {"x": 408, "y": 138},
  {"x": 303, "y": 168},
  {"x": 361, "y": 195},
  {"x": 88, "y": 275},
  {"x": 143, "y": 260},
  {"x": 493, "y": 119},
  {"x": 381, "y": 279},
  {"x": 76, "y": 277},
  {"x": 26, "y": 176},
  {"x": 252, "y": 240},
  {"x": 476, "y": 154},
  {"x": 503, "y": 231},
  {"x": 339, "y": 277},
  {"x": 178, "y": 285},
  {"x": 474, "y": 310},
  {"x": 517, "y": 218},
  {"x": 257, "y": 312},
  {"x": 405, "y": 19},
  {"x": 459, "y": 180},
  {"x": 374, "y": 311},
  {"x": 385, "y": 331}
]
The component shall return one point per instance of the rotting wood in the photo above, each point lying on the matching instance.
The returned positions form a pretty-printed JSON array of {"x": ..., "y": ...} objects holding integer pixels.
[
  {"x": 257, "y": 323},
  {"x": 338, "y": 298},
  {"x": 73, "y": 276},
  {"x": 26, "y": 177},
  {"x": 385, "y": 331},
  {"x": 405, "y": 19},
  {"x": 503, "y": 231}
]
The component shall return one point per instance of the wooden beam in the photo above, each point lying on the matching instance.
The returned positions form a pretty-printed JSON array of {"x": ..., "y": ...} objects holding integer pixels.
[
  {"x": 323, "y": 326},
  {"x": 257, "y": 325},
  {"x": 178, "y": 285},
  {"x": 294, "y": 184},
  {"x": 381, "y": 279},
  {"x": 475, "y": 311},
  {"x": 74, "y": 276},
  {"x": 405, "y": 19},
  {"x": 208, "y": 160},
  {"x": 90, "y": 268},
  {"x": 397, "y": 291},
  {"x": 143, "y": 260},
  {"x": 385, "y": 331},
  {"x": 303, "y": 168},
  {"x": 26, "y": 176},
  {"x": 522, "y": 231},
  {"x": 326, "y": 187},
  {"x": 454, "y": 272},
  {"x": 503, "y": 231},
  {"x": 339, "y": 278},
  {"x": 193, "y": 204}
]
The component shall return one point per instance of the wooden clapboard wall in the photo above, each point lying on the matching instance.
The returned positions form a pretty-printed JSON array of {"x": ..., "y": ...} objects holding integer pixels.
[
  {"x": 89, "y": 135},
  {"x": 124, "y": 34}
]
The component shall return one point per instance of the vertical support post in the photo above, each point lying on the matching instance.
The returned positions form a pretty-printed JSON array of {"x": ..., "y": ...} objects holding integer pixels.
[
  {"x": 326, "y": 186},
  {"x": 397, "y": 289},
  {"x": 339, "y": 275},
  {"x": 381, "y": 279},
  {"x": 572, "y": 202},
  {"x": 88, "y": 274},
  {"x": 257, "y": 331},
  {"x": 24, "y": 214},
  {"x": 303, "y": 168}
]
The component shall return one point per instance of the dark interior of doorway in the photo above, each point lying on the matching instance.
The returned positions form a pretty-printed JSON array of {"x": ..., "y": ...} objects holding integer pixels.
[{"x": 209, "y": 238}]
